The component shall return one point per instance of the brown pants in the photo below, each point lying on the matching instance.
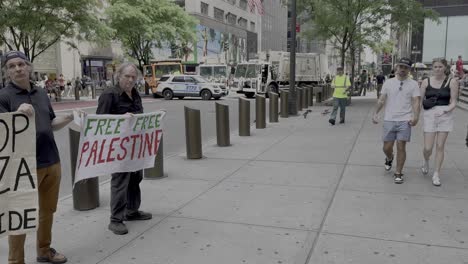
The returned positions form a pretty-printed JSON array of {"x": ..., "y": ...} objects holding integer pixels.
[{"x": 48, "y": 181}]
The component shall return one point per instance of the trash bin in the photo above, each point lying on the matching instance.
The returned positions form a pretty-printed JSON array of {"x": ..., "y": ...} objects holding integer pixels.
[{"x": 85, "y": 192}]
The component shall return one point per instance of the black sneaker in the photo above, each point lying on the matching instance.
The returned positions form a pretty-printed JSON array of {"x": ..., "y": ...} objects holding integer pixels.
[
  {"x": 388, "y": 164},
  {"x": 118, "y": 228},
  {"x": 342, "y": 121},
  {"x": 138, "y": 216},
  {"x": 332, "y": 122},
  {"x": 398, "y": 178}
]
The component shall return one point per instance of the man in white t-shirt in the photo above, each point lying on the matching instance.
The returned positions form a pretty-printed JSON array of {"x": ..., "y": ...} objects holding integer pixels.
[{"x": 401, "y": 98}]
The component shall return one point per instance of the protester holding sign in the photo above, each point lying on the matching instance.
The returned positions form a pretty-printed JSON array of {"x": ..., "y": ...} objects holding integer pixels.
[
  {"x": 20, "y": 95},
  {"x": 123, "y": 99}
]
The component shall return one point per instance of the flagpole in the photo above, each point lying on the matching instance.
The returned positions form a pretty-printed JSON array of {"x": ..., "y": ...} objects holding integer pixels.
[{"x": 292, "y": 65}]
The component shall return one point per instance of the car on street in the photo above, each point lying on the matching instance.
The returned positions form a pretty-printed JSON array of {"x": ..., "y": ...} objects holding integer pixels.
[{"x": 181, "y": 86}]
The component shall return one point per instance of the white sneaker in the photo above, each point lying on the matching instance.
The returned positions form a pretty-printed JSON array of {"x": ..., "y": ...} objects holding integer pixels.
[
  {"x": 436, "y": 180},
  {"x": 425, "y": 167}
]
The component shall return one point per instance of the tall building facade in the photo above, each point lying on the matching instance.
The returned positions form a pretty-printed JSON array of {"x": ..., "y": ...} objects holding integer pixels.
[
  {"x": 273, "y": 35},
  {"x": 227, "y": 31},
  {"x": 446, "y": 39}
]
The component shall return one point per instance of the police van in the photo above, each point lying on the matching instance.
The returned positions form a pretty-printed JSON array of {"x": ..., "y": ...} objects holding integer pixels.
[{"x": 181, "y": 86}]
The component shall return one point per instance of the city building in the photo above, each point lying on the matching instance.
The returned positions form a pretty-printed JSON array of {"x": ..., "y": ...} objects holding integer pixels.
[
  {"x": 446, "y": 39},
  {"x": 227, "y": 31},
  {"x": 273, "y": 35}
]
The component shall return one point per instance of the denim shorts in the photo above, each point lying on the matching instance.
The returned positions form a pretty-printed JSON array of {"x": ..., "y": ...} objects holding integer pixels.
[{"x": 396, "y": 130}]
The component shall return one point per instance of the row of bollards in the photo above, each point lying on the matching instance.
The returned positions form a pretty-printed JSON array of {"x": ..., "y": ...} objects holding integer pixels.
[{"x": 86, "y": 192}]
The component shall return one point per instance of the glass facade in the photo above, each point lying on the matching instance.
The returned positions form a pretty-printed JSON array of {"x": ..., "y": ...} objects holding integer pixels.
[{"x": 448, "y": 39}]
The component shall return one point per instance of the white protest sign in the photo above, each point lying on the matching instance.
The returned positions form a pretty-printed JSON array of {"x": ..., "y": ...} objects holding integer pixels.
[
  {"x": 118, "y": 143},
  {"x": 18, "y": 179}
]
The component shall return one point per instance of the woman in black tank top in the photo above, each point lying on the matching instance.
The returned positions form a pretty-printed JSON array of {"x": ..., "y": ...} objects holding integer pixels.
[{"x": 438, "y": 120}]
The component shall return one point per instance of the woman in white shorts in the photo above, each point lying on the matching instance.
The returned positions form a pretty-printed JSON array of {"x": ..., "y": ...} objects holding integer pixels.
[{"x": 439, "y": 94}]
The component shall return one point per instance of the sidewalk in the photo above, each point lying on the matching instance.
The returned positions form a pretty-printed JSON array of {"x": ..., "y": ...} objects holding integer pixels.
[{"x": 297, "y": 192}]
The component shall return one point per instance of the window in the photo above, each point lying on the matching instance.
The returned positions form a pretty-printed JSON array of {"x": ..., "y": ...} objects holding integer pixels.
[
  {"x": 189, "y": 80},
  {"x": 232, "y": 2},
  {"x": 163, "y": 79},
  {"x": 252, "y": 26},
  {"x": 242, "y": 22},
  {"x": 178, "y": 79},
  {"x": 243, "y": 4},
  {"x": 231, "y": 18},
  {"x": 204, "y": 8},
  {"x": 219, "y": 14}
]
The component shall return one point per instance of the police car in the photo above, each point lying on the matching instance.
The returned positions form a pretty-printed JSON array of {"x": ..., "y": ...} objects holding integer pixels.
[{"x": 180, "y": 86}]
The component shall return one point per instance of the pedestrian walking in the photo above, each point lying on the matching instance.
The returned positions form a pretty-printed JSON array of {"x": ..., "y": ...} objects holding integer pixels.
[
  {"x": 380, "y": 79},
  {"x": 61, "y": 84},
  {"x": 440, "y": 95},
  {"x": 459, "y": 66},
  {"x": 122, "y": 99},
  {"x": 18, "y": 96},
  {"x": 363, "y": 82},
  {"x": 401, "y": 98},
  {"x": 341, "y": 85}
]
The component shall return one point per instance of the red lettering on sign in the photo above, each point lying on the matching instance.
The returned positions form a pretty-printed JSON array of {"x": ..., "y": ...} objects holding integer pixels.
[
  {"x": 93, "y": 153},
  {"x": 84, "y": 148},
  {"x": 100, "y": 159},
  {"x": 111, "y": 149},
  {"x": 134, "y": 137},
  {"x": 122, "y": 146}
]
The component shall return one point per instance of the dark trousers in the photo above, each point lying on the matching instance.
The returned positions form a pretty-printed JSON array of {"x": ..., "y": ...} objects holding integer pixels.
[
  {"x": 125, "y": 194},
  {"x": 341, "y": 103},
  {"x": 362, "y": 90}
]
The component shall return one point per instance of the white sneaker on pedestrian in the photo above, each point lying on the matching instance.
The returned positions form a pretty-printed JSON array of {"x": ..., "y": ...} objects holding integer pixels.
[
  {"x": 425, "y": 167},
  {"x": 436, "y": 179}
]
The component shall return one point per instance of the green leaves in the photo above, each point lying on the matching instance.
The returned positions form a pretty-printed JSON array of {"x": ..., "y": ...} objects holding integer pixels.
[
  {"x": 34, "y": 25},
  {"x": 362, "y": 22},
  {"x": 144, "y": 24}
]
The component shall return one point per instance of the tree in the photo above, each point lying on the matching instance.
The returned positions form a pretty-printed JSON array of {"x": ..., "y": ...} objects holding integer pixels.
[
  {"x": 142, "y": 25},
  {"x": 353, "y": 23},
  {"x": 32, "y": 26}
]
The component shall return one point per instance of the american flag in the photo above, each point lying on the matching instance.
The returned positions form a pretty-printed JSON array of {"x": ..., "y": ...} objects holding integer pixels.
[{"x": 258, "y": 4}]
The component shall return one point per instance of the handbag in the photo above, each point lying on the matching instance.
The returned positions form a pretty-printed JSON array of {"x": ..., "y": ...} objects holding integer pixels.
[{"x": 428, "y": 103}]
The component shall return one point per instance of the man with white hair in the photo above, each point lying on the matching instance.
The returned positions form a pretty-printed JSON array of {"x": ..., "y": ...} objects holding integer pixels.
[
  {"x": 20, "y": 95},
  {"x": 122, "y": 99}
]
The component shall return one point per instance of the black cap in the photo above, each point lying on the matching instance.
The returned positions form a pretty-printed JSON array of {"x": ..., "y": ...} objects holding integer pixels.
[
  {"x": 405, "y": 62},
  {"x": 11, "y": 55}
]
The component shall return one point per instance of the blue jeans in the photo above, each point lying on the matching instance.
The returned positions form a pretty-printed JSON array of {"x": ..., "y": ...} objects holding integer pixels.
[{"x": 341, "y": 103}]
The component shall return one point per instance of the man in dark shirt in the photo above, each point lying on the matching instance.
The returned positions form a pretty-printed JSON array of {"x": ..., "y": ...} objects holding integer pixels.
[
  {"x": 125, "y": 186},
  {"x": 20, "y": 95},
  {"x": 380, "y": 78},
  {"x": 363, "y": 82}
]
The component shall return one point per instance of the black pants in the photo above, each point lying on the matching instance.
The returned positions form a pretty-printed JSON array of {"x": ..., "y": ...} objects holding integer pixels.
[{"x": 125, "y": 194}]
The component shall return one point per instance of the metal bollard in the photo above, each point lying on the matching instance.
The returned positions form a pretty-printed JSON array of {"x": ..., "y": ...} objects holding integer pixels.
[
  {"x": 85, "y": 192},
  {"x": 77, "y": 93},
  {"x": 193, "y": 133},
  {"x": 244, "y": 117},
  {"x": 222, "y": 125},
  {"x": 305, "y": 105},
  {"x": 299, "y": 99},
  {"x": 273, "y": 108},
  {"x": 260, "y": 115},
  {"x": 93, "y": 91},
  {"x": 311, "y": 98},
  {"x": 157, "y": 172},
  {"x": 319, "y": 97},
  {"x": 284, "y": 104}
]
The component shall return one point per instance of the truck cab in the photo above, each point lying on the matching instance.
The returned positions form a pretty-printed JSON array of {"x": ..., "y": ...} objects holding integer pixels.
[
  {"x": 154, "y": 71},
  {"x": 253, "y": 78}
]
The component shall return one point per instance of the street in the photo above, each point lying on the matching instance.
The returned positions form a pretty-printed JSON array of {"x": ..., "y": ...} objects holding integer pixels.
[{"x": 174, "y": 126}]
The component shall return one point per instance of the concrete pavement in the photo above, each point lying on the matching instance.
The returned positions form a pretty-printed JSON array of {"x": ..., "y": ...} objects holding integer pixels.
[{"x": 298, "y": 192}]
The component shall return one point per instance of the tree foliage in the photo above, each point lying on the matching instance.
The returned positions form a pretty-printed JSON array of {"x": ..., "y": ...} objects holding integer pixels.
[
  {"x": 352, "y": 23},
  {"x": 142, "y": 25},
  {"x": 32, "y": 26}
]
